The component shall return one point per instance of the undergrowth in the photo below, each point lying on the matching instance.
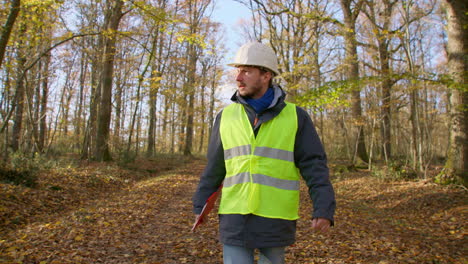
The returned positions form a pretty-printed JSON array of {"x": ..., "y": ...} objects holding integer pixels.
[
  {"x": 22, "y": 170},
  {"x": 394, "y": 170}
]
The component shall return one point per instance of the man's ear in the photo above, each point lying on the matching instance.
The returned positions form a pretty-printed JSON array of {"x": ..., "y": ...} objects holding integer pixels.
[{"x": 268, "y": 75}]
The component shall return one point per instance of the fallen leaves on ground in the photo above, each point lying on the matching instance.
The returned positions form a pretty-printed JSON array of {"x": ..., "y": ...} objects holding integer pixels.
[{"x": 105, "y": 214}]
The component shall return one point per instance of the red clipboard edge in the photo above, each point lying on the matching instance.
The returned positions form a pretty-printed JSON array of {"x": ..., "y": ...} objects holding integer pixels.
[{"x": 210, "y": 202}]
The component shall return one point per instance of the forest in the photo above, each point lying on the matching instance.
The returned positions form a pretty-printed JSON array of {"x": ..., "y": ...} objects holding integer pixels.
[
  {"x": 102, "y": 96},
  {"x": 383, "y": 81}
]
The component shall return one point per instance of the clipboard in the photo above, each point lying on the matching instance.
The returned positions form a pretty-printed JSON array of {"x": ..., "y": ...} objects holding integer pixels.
[{"x": 210, "y": 202}]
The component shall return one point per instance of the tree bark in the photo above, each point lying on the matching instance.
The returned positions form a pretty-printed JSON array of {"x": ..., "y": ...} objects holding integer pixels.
[
  {"x": 382, "y": 30},
  {"x": 211, "y": 112},
  {"x": 44, "y": 100},
  {"x": 386, "y": 107},
  {"x": 457, "y": 158},
  {"x": 102, "y": 152},
  {"x": 18, "y": 102},
  {"x": 196, "y": 10},
  {"x": 417, "y": 136},
  {"x": 153, "y": 95},
  {"x": 118, "y": 111},
  {"x": 80, "y": 99},
  {"x": 36, "y": 107},
  {"x": 352, "y": 74},
  {"x": 8, "y": 27},
  {"x": 89, "y": 139},
  {"x": 190, "y": 108}
]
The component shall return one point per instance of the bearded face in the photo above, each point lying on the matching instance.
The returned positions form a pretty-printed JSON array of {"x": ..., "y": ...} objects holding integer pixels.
[{"x": 252, "y": 82}]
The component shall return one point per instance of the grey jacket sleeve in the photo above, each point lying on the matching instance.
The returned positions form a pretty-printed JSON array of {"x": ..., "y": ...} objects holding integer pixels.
[
  {"x": 311, "y": 160},
  {"x": 214, "y": 172}
]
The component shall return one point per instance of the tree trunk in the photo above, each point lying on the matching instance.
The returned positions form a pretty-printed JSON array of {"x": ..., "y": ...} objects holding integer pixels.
[
  {"x": 211, "y": 112},
  {"x": 352, "y": 75},
  {"x": 18, "y": 101},
  {"x": 44, "y": 100},
  {"x": 19, "y": 109},
  {"x": 152, "y": 124},
  {"x": 457, "y": 158},
  {"x": 153, "y": 96},
  {"x": 8, "y": 27},
  {"x": 37, "y": 107},
  {"x": 165, "y": 121},
  {"x": 131, "y": 128},
  {"x": 386, "y": 87},
  {"x": 137, "y": 106},
  {"x": 89, "y": 140},
  {"x": 417, "y": 136},
  {"x": 138, "y": 132},
  {"x": 383, "y": 11},
  {"x": 102, "y": 152},
  {"x": 80, "y": 99},
  {"x": 386, "y": 115},
  {"x": 202, "y": 118},
  {"x": 173, "y": 128},
  {"x": 118, "y": 112},
  {"x": 191, "y": 98},
  {"x": 66, "y": 109},
  {"x": 195, "y": 12},
  {"x": 416, "y": 130}
]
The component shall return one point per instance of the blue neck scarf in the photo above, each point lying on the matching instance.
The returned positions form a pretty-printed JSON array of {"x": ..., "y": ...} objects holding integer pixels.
[{"x": 260, "y": 104}]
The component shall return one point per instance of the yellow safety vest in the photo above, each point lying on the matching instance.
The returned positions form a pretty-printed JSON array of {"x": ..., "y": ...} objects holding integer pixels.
[{"x": 261, "y": 176}]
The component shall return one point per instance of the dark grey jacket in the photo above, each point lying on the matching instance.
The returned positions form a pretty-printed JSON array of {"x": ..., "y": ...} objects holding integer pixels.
[{"x": 255, "y": 231}]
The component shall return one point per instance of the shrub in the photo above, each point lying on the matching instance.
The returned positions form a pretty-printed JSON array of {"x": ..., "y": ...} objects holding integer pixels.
[
  {"x": 394, "y": 170},
  {"x": 126, "y": 157},
  {"x": 19, "y": 177},
  {"x": 22, "y": 170},
  {"x": 448, "y": 176}
]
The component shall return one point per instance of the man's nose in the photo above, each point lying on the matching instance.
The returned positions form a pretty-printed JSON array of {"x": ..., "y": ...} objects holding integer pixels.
[{"x": 239, "y": 77}]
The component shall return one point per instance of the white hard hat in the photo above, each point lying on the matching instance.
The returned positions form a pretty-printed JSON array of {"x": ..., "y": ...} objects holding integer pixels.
[{"x": 256, "y": 54}]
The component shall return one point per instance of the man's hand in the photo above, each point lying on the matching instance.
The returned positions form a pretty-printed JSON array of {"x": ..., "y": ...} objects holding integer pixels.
[{"x": 321, "y": 224}]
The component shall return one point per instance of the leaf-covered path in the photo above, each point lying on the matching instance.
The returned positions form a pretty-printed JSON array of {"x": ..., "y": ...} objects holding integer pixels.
[{"x": 149, "y": 220}]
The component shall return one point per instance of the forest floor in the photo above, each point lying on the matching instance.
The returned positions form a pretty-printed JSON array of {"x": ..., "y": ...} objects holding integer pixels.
[{"x": 142, "y": 213}]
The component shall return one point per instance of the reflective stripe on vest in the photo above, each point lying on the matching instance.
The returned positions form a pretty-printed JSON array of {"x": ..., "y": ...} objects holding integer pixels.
[
  {"x": 261, "y": 177},
  {"x": 259, "y": 151}
]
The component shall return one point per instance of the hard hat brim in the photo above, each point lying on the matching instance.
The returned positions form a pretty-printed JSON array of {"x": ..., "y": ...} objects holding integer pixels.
[{"x": 247, "y": 65}]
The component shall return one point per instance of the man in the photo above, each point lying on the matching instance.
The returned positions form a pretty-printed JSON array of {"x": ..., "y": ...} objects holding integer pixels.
[{"x": 259, "y": 146}]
